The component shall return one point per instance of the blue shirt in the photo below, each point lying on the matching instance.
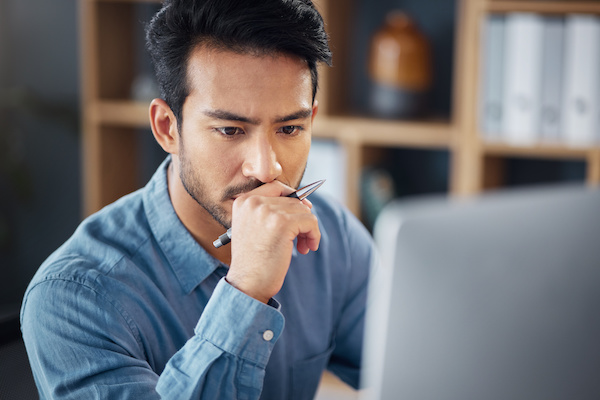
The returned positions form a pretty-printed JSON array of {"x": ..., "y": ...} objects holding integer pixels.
[{"x": 131, "y": 306}]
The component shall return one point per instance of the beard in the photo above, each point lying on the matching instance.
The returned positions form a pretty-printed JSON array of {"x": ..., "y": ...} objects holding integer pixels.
[{"x": 198, "y": 190}]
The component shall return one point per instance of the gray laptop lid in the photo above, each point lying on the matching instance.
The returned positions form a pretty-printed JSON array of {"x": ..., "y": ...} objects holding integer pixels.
[{"x": 493, "y": 298}]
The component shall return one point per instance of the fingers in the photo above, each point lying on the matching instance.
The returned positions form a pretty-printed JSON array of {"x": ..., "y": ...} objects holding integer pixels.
[
  {"x": 270, "y": 209},
  {"x": 265, "y": 226},
  {"x": 308, "y": 242}
]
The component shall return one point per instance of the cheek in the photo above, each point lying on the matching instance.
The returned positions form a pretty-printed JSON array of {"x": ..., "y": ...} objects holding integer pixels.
[
  {"x": 212, "y": 161},
  {"x": 294, "y": 159},
  {"x": 304, "y": 149}
]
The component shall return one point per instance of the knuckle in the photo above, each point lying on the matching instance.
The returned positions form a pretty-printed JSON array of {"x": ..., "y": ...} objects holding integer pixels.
[
  {"x": 253, "y": 202},
  {"x": 281, "y": 217}
]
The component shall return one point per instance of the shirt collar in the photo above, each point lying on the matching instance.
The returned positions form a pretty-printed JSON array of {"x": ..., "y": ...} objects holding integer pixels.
[{"x": 189, "y": 261}]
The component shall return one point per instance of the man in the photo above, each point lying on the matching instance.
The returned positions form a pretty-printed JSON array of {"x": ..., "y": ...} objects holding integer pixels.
[{"x": 140, "y": 304}]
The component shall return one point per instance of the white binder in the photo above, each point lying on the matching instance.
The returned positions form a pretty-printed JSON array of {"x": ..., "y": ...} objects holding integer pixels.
[
  {"x": 552, "y": 79},
  {"x": 492, "y": 79},
  {"x": 523, "y": 67},
  {"x": 582, "y": 80}
]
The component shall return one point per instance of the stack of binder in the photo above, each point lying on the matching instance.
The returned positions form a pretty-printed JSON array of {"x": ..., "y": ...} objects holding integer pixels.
[{"x": 541, "y": 79}]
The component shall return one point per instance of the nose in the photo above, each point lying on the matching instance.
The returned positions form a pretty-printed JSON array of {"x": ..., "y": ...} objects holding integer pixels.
[{"x": 261, "y": 160}]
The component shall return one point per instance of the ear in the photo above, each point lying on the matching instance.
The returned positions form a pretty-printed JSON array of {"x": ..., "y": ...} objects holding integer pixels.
[
  {"x": 164, "y": 126},
  {"x": 315, "y": 109}
]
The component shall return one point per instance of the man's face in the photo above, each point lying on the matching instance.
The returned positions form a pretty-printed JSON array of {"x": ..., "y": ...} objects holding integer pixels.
[{"x": 247, "y": 121}]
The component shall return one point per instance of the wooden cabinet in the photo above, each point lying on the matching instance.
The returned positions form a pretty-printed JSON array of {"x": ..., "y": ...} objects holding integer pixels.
[{"x": 111, "y": 119}]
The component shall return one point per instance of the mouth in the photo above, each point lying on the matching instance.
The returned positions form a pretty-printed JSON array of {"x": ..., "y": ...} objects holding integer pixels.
[{"x": 236, "y": 191}]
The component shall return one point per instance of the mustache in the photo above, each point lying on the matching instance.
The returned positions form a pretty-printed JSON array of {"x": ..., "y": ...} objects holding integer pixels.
[{"x": 242, "y": 188}]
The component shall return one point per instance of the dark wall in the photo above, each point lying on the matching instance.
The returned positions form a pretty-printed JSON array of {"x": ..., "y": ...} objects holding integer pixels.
[{"x": 39, "y": 136}]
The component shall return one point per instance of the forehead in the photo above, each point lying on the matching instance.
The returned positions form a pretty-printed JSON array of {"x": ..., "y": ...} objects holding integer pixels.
[{"x": 225, "y": 73}]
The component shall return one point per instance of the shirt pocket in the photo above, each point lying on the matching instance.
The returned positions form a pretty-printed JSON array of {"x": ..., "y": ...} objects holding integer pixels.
[{"x": 306, "y": 376}]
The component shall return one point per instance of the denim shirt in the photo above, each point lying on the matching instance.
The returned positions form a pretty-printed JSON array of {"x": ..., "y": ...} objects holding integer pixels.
[{"x": 131, "y": 306}]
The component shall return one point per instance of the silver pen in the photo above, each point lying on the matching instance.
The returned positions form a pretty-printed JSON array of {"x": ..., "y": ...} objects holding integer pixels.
[{"x": 299, "y": 194}]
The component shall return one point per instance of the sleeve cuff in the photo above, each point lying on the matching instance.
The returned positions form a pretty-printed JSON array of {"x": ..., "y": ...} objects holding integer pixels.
[{"x": 241, "y": 325}]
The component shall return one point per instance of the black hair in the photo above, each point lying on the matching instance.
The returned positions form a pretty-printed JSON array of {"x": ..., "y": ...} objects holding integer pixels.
[{"x": 260, "y": 27}]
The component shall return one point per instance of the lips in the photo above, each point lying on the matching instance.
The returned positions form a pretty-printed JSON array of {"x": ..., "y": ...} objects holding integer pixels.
[{"x": 236, "y": 191}]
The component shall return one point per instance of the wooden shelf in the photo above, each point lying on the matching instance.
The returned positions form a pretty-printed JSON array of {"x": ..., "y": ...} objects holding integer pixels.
[
  {"x": 125, "y": 113},
  {"x": 543, "y": 7},
  {"x": 560, "y": 152},
  {"x": 374, "y": 132}
]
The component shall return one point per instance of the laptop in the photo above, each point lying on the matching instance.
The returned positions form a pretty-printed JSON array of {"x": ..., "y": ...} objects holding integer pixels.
[{"x": 494, "y": 297}]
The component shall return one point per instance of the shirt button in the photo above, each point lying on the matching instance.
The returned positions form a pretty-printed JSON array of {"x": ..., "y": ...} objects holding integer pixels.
[{"x": 268, "y": 335}]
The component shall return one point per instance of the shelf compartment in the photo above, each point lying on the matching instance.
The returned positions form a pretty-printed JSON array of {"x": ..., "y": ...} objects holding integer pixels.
[{"x": 110, "y": 159}]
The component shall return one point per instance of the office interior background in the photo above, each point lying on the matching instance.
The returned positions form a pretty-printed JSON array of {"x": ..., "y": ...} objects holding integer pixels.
[{"x": 40, "y": 126}]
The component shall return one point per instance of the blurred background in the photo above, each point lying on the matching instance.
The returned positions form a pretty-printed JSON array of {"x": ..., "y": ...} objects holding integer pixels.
[{"x": 39, "y": 137}]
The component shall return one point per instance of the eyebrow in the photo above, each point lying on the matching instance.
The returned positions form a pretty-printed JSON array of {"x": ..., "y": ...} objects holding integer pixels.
[
  {"x": 301, "y": 114},
  {"x": 229, "y": 116}
]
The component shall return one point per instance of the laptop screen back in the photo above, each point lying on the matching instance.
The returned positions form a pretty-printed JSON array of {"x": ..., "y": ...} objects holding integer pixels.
[{"x": 490, "y": 298}]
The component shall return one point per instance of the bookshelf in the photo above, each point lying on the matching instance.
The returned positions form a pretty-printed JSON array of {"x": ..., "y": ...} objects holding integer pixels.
[
  {"x": 111, "y": 118},
  {"x": 479, "y": 165}
]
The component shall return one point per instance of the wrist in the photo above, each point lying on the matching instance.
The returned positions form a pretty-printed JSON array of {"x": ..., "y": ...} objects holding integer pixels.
[{"x": 241, "y": 288}]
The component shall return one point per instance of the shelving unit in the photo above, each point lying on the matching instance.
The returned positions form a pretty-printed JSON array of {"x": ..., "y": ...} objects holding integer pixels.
[
  {"x": 110, "y": 118},
  {"x": 478, "y": 165}
]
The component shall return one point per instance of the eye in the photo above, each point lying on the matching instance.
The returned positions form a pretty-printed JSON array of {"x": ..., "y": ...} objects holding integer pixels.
[
  {"x": 230, "y": 131},
  {"x": 290, "y": 129}
]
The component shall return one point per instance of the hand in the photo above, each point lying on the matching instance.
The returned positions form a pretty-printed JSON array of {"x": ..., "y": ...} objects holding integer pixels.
[{"x": 264, "y": 226}]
